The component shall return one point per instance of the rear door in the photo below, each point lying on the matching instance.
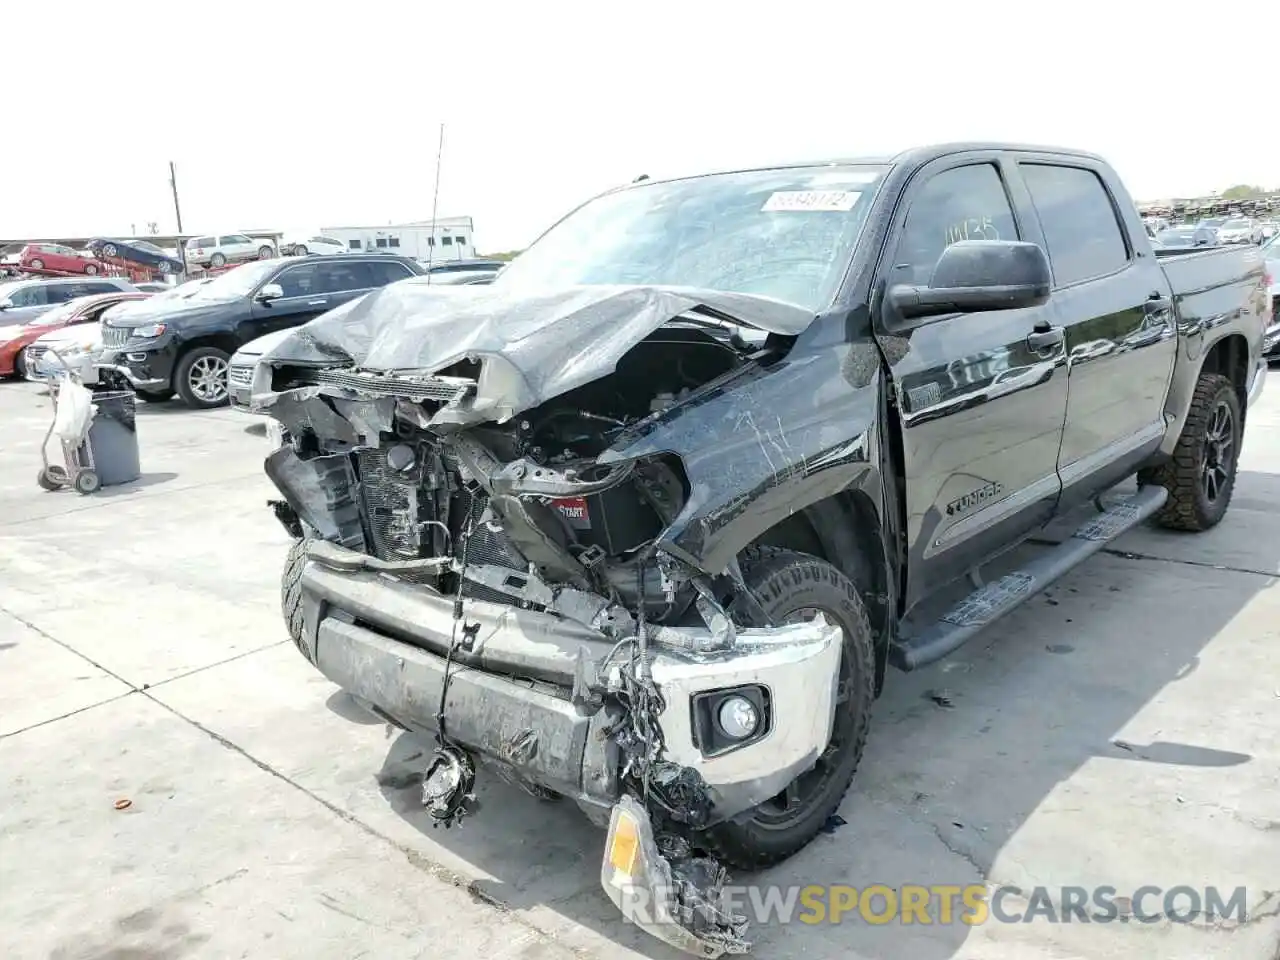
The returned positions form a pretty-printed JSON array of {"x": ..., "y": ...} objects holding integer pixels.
[
  {"x": 982, "y": 410},
  {"x": 1114, "y": 302}
]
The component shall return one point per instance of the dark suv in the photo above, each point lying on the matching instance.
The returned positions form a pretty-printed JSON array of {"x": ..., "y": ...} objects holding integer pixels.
[{"x": 182, "y": 344}]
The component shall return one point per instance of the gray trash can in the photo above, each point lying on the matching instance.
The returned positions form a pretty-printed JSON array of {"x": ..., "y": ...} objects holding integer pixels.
[{"x": 113, "y": 437}]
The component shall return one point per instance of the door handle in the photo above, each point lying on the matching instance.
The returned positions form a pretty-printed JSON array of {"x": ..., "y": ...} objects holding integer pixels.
[
  {"x": 1158, "y": 301},
  {"x": 316, "y": 303},
  {"x": 1044, "y": 337}
]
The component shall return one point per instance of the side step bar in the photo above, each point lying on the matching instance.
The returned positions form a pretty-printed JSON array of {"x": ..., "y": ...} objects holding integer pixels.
[{"x": 988, "y": 603}]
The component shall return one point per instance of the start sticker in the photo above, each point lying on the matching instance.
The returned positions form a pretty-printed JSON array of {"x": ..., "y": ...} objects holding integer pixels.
[
  {"x": 821, "y": 201},
  {"x": 574, "y": 509}
]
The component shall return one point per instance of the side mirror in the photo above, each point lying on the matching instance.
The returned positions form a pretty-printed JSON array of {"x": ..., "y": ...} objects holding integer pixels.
[
  {"x": 976, "y": 275},
  {"x": 270, "y": 291},
  {"x": 5, "y": 304}
]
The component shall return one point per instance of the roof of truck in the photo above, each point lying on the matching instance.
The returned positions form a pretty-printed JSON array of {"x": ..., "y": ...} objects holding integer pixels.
[{"x": 912, "y": 156}]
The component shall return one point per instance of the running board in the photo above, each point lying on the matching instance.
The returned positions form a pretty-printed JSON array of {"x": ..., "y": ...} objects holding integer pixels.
[{"x": 991, "y": 602}]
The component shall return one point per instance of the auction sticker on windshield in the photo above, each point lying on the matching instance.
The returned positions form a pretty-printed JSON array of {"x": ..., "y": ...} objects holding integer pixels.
[{"x": 811, "y": 200}]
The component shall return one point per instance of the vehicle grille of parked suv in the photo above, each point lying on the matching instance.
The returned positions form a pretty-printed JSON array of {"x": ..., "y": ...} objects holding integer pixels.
[
  {"x": 241, "y": 374},
  {"x": 114, "y": 336}
]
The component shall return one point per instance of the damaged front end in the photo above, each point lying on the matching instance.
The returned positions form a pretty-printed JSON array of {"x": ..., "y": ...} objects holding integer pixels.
[{"x": 490, "y": 562}]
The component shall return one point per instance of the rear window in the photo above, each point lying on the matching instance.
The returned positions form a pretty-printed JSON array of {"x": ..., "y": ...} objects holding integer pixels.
[
  {"x": 1080, "y": 225},
  {"x": 200, "y": 242}
]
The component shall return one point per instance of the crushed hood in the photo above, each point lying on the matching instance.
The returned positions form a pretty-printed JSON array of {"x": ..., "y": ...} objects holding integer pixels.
[{"x": 532, "y": 345}]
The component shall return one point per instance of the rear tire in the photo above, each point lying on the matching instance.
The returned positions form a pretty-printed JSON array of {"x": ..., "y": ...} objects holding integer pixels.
[
  {"x": 786, "y": 582},
  {"x": 91, "y": 269},
  {"x": 37, "y": 264},
  {"x": 265, "y": 253},
  {"x": 1201, "y": 475},
  {"x": 300, "y": 250},
  {"x": 291, "y": 592},
  {"x": 19, "y": 366},
  {"x": 217, "y": 260}
]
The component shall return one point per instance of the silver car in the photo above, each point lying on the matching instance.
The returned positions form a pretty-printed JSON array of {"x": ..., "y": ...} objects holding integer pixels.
[{"x": 21, "y": 301}]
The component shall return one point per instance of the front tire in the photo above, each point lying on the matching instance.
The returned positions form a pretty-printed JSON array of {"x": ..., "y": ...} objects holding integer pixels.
[
  {"x": 37, "y": 264},
  {"x": 201, "y": 378},
  {"x": 792, "y": 586},
  {"x": 109, "y": 250},
  {"x": 153, "y": 396},
  {"x": 291, "y": 592},
  {"x": 1201, "y": 474}
]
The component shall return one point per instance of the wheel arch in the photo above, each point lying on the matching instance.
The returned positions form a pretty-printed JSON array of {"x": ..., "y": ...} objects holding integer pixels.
[
  {"x": 845, "y": 530},
  {"x": 223, "y": 341},
  {"x": 1230, "y": 357}
]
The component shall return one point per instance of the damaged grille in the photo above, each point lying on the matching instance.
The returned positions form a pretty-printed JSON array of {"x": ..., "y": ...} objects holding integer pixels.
[
  {"x": 240, "y": 374},
  {"x": 390, "y": 508},
  {"x": 114, "y": 336},
  {"x": 440, "y": 389},
  {"x": 393, "y": 519}
]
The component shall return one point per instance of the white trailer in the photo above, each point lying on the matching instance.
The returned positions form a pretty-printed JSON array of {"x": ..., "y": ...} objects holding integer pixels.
[{"x": 448, "y": 238}]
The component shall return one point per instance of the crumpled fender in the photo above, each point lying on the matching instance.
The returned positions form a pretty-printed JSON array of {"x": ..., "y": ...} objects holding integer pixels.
[{"x": 769, "y": 444}]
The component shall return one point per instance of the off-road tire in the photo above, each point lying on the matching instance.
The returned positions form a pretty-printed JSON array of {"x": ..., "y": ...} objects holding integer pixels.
[
  {"x": 785, "y": 581},
  {"x": 291, "y": 592},
  {"x": 1189, "y": 507},
  {"x": 19, "y": 366}
]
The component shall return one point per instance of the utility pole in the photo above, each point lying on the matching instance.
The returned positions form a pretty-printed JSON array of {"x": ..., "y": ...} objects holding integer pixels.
[
  {"x": 173, "y": 184},
  {"x": 435, "y": 202}
]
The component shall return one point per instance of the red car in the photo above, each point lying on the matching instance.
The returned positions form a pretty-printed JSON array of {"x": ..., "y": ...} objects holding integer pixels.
[
  {"x": 54, "y": 256},
  {"x": 13, "y": 340}
]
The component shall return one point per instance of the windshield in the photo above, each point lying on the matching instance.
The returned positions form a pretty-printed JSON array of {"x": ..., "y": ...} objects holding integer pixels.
[
  {"x": 235, "y": 283},
  {"x": 1211, "y": 223},
  {"x": 1173, "y": 237},
  {"x": 149, "y": 247},
  {"x": 784, "y": 233},
  {"x": 59, "y": 314},
  {"x": 1237, "y": 225}
]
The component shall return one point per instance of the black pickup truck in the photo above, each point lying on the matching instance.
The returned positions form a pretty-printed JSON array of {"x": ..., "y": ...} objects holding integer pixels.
[{"x": 644, "y": 522}]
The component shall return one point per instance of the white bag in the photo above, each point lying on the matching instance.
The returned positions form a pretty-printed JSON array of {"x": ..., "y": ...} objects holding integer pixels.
[{"x": 74, "y": 412}]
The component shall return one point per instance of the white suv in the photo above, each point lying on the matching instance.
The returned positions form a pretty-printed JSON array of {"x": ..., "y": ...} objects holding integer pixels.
[
  {"x": 226, "y": 248},
  {"x": 304, "y": 244}
]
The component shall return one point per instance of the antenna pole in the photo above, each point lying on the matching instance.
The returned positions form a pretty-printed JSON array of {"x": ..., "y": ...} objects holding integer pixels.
[
  {"x": 173, "y": 185},
  {"x": 435, "y": 203}
]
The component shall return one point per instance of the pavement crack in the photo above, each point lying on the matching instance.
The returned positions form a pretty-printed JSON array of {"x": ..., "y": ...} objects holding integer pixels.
[
  {"x": 435, "y": 870},
  {"x": 1136, "y": 555},
  {"x": 69, "y": 713}
]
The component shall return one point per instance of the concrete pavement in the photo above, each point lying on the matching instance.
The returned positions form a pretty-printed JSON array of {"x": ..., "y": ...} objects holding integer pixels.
[{"x": 1120, "y": 730}]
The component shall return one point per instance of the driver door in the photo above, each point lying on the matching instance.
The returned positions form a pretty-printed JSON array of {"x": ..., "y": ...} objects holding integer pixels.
[{"x": 982, "y": 411}]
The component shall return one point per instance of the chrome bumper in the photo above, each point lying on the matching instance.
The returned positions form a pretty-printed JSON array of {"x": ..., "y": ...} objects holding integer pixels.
[
  {"x": 134, "y": 381},
  {"x": 1258, "y": 382},
  {"x": 386, "y": 642}
]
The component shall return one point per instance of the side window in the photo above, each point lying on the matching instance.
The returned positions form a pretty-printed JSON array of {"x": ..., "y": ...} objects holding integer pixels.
[
  {"x": 355, "y": 244},
  {"x": 98, "y": 286},
  {"x": 35, "y": 296},
  {"x": 62, "y": 292},
  {"x": 384, "y": 273},
  {"x": 298, "y": 281},
  {"x": 963, "y": 203},
  {"x": 200, "y": 242},
  {"x": 1079, "y": 221},
  {"x": 341, "y": 277}
]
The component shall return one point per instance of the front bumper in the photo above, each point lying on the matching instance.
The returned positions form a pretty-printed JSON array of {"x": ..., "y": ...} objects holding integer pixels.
[
  {"x": 510, "y": 697},
  {"x": 145, "y": 369},
  {"x": 1257, "y": 383}
]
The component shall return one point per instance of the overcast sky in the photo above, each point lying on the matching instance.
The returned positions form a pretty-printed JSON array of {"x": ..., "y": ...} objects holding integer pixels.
[{"x": 297, "y": 115}]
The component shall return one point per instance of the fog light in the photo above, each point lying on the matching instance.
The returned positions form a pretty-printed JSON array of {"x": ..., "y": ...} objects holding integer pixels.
[{"x": 738, "y": 717}]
